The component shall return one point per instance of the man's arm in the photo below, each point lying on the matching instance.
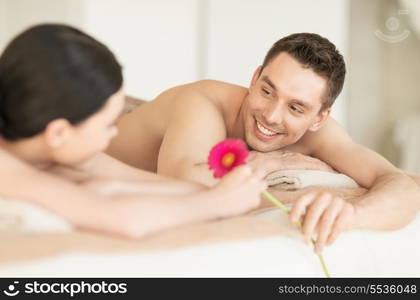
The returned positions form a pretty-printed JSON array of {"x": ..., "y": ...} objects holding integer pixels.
[
  {"x": 369, "y": 169},
  {"x": 390, "y": 203},
  {"x": 290, "y": 197},
  {"x": 268, "y": 162},
  {"x": 195, "y": 127}
]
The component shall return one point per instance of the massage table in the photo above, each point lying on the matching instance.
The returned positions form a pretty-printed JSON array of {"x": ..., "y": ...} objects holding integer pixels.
[{"x": 37, "y": 243}]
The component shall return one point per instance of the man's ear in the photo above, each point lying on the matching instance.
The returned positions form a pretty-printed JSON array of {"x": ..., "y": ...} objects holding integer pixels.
[
  {"x": 255, "y": 76},
  {"x": 321, "y": 119},
  {"x": 56, "y": 132}
]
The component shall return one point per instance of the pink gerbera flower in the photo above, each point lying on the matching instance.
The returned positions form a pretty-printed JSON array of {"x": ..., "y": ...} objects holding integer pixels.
[{"x": 226, "y": 155}]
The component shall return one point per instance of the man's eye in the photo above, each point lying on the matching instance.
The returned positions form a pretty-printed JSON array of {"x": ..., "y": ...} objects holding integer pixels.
[
  {"x": 295, "y": 109},
  {"x": 267, "y": 92}
]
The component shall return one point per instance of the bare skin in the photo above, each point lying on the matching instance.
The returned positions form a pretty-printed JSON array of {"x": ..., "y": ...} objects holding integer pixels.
[
  {"x": 63, "y": 170},
  {"x": 174, "y": 133}
]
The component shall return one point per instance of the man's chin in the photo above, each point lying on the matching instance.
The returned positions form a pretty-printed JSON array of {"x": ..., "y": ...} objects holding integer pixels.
[{"x": 261, "y": 146}]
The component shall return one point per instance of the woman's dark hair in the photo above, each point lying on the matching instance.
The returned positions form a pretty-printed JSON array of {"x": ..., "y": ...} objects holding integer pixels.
[{"x": 53, "y": 71}]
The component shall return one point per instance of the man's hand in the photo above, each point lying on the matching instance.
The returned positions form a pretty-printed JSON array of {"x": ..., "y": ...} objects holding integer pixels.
[
  {"x": 323, "y": 214},
  {"x": 285, "y": 160}
]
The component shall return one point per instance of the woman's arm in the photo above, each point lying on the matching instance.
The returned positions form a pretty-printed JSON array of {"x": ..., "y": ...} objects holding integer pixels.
[
  {"x": 104, "y": 186},
  {"x": 129, "y": 216},
  {"x": 105, "y": 171},
  {"x": 103, "y": 165}
]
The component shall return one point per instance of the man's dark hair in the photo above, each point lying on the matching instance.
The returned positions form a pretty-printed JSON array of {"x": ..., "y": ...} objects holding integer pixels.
[
  {"x": 53, "y": 71},
  {"x": 317, "y": 53}
]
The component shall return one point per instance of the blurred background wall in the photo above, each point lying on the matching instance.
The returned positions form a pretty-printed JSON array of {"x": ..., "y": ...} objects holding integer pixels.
[
  {"x": 383, "y": 80},
  {"x": 163, "y": 43}
]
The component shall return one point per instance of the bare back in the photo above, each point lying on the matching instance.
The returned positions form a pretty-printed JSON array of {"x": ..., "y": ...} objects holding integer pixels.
[{"x": 141, "y": 131}]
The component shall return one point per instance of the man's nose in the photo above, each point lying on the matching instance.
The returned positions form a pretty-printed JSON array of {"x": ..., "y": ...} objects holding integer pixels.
[{"x": 274, "y": 114}]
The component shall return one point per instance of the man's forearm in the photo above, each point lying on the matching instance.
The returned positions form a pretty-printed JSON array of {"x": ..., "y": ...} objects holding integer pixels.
[
  {"x": 283, "y": 160},
  {"x": 289, "y": 197},
  {"x": 391, "y": 203}
]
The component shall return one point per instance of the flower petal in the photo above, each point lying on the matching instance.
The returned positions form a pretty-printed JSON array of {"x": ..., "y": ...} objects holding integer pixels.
[{"x": 234, "y": 146}]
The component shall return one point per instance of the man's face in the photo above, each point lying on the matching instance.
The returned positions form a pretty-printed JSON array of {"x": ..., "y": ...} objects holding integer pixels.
[{"x": 284, "y": 101}]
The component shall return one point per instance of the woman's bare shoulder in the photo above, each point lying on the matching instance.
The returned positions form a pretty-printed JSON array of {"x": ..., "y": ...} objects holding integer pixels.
[{"x": 13, "y": 166}]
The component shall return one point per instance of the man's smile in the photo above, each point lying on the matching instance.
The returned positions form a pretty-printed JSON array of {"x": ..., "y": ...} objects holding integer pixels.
[{"x": 263, "y": 132}]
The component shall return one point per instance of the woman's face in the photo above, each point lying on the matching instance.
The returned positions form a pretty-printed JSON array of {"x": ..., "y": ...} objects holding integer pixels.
[{"x": 92, "y": 136}]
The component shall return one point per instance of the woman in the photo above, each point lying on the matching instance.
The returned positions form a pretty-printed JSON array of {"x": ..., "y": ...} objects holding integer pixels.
[{"x": 60, "y": 94}]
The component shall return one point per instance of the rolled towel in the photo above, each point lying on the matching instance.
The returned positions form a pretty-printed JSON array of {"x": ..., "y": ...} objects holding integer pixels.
[
  {"x": 22, "y": 216},
  {"x": 297, "y": 179}
]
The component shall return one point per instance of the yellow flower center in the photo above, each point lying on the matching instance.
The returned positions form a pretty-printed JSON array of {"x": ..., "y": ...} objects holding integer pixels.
[{"x": 228, "y": 159}]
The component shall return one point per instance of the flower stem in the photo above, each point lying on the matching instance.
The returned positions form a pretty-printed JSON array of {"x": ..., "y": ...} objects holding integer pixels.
[
  {"x": 276, "y": 202},
  {"x": 285, "y": 209}
]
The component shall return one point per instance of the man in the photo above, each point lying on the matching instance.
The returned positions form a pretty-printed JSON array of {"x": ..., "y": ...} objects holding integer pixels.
[{"x": 285, "y": 109}]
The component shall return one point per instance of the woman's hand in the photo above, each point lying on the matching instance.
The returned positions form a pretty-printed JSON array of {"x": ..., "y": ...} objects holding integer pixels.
[{"x": 239, "y": 191}]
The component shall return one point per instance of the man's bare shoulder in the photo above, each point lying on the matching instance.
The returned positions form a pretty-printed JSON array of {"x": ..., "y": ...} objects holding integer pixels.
[
  {"x": 177, "y": 99},
  {"x": 221, "y": 92},
  {"x": 330, "y": 132},
  {"x": 214, "y": 91}
]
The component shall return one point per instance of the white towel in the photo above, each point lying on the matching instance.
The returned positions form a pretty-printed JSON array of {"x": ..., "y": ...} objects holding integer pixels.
[
  {"x": 298, "y": 179},
  {"x": 22, "y": 216}
]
